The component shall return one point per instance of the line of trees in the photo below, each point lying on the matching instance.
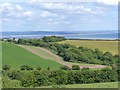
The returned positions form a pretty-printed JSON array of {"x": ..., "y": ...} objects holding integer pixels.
[
  {"x": 71, "y": 53},
  {"x": 37, "y": 78}
]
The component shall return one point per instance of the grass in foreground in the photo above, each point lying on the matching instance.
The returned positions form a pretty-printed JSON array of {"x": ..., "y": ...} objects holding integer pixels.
[
  {"x": 16, "y": 56},
  {"x": 111, "y": 46},
  {"x": 93, "y": 85}
]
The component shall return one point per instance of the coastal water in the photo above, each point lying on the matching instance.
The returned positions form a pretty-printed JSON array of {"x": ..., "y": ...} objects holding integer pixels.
[{"x": 67, "y": 34}]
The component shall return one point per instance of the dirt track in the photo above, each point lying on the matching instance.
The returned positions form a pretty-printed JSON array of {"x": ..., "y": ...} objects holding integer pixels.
[{"x": 54, "y": 57}]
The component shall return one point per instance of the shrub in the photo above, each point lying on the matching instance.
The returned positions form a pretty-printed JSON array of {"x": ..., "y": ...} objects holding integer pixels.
[
  {"x": 6, "y": 67},
  {"x": 25, "y": 67},
  {"x": 48, "y": 68},
  {"x": 85, "y": 68},
  {"x": 38, "y": 68},
  {"x": 75, "y": 67},
  {"x": 65, "y": 68}
]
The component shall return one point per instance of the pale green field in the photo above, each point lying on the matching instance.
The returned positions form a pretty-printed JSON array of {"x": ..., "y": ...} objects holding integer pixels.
[
  {"x": 95, "y": 85},
  {"x": 92, "y": 85},
  {"x": 111, "y": 46}
]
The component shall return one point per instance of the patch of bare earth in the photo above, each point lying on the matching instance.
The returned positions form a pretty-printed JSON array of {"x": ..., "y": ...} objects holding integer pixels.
[{"x": 55, "y": 57}]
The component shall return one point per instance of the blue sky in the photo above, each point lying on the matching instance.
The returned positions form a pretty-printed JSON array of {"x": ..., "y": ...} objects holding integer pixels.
[{"x": 60, "y": 16}]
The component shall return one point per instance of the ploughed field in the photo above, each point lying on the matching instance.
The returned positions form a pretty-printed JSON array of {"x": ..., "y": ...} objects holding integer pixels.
[{"x": 110, "y": 46}]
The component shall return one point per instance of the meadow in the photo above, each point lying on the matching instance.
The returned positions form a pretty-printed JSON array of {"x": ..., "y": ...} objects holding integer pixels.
[
  {"x": 110, "y": 46},
  {"x": 16, "y": 56}
]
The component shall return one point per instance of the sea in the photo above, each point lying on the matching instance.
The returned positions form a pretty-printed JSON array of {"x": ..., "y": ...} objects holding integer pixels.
[{"x": 67, "y": 34}]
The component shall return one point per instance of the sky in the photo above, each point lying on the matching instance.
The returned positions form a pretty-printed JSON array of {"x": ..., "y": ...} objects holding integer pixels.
[{"x": 59, "y": 16}]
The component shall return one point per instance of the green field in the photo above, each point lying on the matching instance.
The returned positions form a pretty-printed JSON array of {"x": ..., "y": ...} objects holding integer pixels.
[
  {"x": 95, "y": 85},
  {"x": 16, "y": 56},
  {"x": 92, "y": 85},
  {"x": 111, "y": 46}
]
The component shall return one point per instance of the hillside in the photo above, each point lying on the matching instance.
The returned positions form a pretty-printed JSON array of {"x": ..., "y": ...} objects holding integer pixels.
[
  {"x": 16, "y": 56},
  {"x": 44, "y": 53},
  {"x": 110, "y": 46}
]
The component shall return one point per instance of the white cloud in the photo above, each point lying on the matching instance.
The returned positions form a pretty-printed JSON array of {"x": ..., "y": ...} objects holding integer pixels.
[
  {"x": 69, "y": 8},
  {"x": 6, "y": 7},
  {"x": 53, "y": 23},
  {"x": 27, "y": 13},
  {"x": 5, "y": 19},
  {"x": 48, "y": 14},
  {"x": 54, "y": 5},
  {"x": 109, "y": 2},
  {"x": 18, "y": 7}
]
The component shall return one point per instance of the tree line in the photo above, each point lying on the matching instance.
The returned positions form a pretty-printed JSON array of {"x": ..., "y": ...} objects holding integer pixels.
[
  {"x": 40, "y": 77},
  {"x": 71, "y": 53}
]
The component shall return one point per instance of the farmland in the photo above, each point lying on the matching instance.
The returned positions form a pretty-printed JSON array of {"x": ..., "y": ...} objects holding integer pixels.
[
  {"x": 111, "y": 46},
  {"x": 31, "y": 54},
  {"x": 16, "y": 56},
  {"x": 44, "y": 53}
]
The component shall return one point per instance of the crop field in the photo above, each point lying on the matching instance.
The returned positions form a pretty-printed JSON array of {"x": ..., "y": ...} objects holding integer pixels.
[
  {"x": 16, "y": 56},
  {"x": 111, "y": 46}
]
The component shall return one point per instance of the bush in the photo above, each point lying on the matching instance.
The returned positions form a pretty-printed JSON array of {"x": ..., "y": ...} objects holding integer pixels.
[
  {"x": 75, "y": 67},
  {"x": 38, "y": 68},
  {"x": 6, "y": 67},
  {"x": 65, "y": 68},
  {"x": 48, "y": 68},
  {"x": 25, "y": 67},
  {"x": 85, "y": 68}
]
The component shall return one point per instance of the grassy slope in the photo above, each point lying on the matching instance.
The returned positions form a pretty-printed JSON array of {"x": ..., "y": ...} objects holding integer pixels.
[
  {"x": 44, "y": 53},
  {"x": 111, "y": 46},
  {"x": 16, "y": 56},
  {"x": 95, "y": 85}
]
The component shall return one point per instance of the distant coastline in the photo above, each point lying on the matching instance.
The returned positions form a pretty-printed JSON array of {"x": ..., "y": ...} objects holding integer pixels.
[{"x": 77, "y": 35}]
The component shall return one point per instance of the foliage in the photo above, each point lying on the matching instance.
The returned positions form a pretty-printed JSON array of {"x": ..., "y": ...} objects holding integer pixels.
[
  {"x": 38, "y": 78},
  {"x": 25, "y": 67},
  {"x": 53, "y": 38},
  {"x": 65, "y": 68},
  {"x": 6, "y": 67},
  {"x": 75, "y": 67},
  {"x": 72, "y": 53}
]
